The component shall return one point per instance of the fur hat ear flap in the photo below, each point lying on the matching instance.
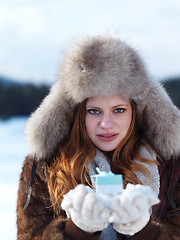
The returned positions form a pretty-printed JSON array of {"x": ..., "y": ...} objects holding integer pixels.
[
  {"x": 50, "y": 123},
  {"x": 160, "y": 121}
]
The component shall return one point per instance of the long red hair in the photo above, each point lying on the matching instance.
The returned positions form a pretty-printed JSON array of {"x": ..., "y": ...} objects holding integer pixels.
[{"x": 70, "y": 167}]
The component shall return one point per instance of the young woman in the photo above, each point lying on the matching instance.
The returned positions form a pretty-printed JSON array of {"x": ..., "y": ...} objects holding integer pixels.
[{"x": 104, "y": 111}]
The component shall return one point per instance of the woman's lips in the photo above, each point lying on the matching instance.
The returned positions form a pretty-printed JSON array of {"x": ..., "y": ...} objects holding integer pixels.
[{"x": 107, "y": 137}]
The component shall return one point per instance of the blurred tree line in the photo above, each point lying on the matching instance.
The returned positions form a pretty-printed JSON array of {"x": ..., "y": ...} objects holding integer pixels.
[
  {"x": 173, "y": 88},
  {"x": 18, "y": 99},
  {"x": 22, "y": 99}
]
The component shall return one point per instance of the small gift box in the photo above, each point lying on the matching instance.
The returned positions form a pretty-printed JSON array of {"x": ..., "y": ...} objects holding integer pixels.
[{"x": 108, "y": 182}]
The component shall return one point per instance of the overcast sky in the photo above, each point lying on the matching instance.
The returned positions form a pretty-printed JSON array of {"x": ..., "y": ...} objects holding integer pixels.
[{"x": 34, "y": 33}]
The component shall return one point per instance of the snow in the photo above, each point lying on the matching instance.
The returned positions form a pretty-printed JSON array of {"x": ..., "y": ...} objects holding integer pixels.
[{"x": 13, "y": 150}]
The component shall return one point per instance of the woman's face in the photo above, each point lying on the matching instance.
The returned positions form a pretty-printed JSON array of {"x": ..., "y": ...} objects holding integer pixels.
[{"x": 107, "y": 121}]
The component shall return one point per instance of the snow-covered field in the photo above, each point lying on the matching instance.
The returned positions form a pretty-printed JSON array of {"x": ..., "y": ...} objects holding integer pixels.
[{"x": 13, "y": 150}]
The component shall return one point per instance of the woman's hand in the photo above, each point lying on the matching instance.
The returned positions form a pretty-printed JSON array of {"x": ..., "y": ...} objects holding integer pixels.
[{"x": 86, "y": 209}]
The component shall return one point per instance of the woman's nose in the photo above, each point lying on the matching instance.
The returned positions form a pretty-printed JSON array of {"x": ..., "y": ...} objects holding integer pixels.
[{"x": 106, "y": 122}]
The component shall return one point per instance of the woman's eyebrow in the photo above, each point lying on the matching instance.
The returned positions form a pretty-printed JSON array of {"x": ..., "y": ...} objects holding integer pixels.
[
  {"x": 115, "y": 106},
  {"x": 121, "y": 105},
  {"x": 91, "y": 106}
]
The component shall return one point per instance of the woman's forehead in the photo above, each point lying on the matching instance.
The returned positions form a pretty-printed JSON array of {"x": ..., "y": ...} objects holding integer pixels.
[{"x": 110, "y": 100}]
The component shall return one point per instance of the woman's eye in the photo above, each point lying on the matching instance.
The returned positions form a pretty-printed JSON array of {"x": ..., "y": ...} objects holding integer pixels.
[
  {"x": 119, "y": 110},
  {"x": 93, "y": 111}
]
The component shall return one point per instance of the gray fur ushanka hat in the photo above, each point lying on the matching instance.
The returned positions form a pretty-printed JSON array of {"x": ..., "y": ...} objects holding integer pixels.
[{"x": 96, "y": 66}]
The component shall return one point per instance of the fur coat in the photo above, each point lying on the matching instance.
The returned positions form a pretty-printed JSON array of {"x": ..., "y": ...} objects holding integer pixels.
[{"x": 102, "y": 65}]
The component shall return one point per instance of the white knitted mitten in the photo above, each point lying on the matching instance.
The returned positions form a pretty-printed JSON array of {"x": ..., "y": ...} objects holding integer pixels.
[
  {"x": 132, "y": 227},
  {"x": 131, "y": 209},
  {"x": 86, "y": 209}
]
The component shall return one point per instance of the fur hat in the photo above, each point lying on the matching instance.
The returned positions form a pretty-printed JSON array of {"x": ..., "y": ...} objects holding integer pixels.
[{"x": 96, "y": 66}]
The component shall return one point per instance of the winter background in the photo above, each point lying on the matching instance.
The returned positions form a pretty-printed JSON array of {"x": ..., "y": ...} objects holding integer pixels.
[{"x": 33, "y": 36}]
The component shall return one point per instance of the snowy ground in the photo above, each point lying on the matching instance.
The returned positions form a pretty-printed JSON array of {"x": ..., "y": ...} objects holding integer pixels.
[{"x": 12, "y": 153}]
